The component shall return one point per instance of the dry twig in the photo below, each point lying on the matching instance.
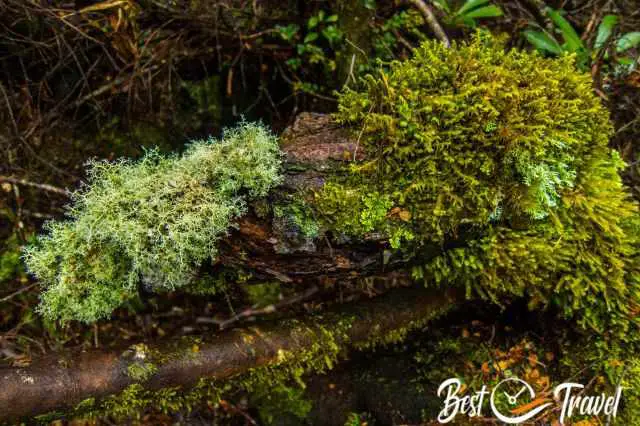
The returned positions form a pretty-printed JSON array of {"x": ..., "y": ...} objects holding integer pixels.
[{"x": 431, "y": 19}]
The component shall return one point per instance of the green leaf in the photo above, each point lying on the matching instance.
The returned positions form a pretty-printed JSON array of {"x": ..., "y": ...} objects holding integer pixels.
[
  {"x": 332, "y": 18},
  {"x": 605, "y": 29},
  {"x": 287, "y": 33},
  {"x": 491, "y": 11},
  {"x": 465, "y": 21},
  {"x": 370, "y": 4},
  {"x": 332, "y": 34},
  {"x": 542, "y": 41},
  {"x": 570, "y": 36},
  {"x": 625, "y": 61},
  {"x": 313, "y": 22},
  {"x": 628, "y": 41},
  {"x": 469, "y": 5},
  {"x": 310, "y": 37}
]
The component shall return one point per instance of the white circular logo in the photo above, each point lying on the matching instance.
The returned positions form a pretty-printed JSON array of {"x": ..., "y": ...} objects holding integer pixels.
[{"x": 521, "y": 387}]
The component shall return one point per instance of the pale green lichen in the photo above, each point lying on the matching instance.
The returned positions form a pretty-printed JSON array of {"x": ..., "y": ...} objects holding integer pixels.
[{"x": 150, "y": 222}]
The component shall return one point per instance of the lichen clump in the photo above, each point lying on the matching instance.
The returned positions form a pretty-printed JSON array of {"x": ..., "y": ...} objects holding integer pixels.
[
  {"x": 152, "y": 221},
  {"x": 499, "y": 159}
]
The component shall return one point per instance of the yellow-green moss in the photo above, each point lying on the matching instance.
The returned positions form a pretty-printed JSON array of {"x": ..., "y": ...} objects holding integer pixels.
[{"x": 500, "y": 157}]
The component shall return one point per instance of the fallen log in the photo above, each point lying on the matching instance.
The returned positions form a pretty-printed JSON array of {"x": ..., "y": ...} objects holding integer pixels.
[
  {"x": 315, "y": 148},
  {"x": 60, "y": 382}
]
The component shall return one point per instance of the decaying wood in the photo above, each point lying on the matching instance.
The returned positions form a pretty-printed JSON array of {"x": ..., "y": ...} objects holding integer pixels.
[
  {"x": 315, "y": 148},
  {"x": 62, "y": 382}
]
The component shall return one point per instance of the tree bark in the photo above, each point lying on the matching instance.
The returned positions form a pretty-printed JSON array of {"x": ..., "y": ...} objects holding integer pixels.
[{"x": 314, "y": 147}]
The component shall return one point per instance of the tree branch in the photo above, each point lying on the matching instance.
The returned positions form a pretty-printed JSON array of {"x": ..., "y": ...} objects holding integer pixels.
[
  {"x": 431, "y": 19},
  {"x": 49, "y": 385},
  {"x": 42, "y": 186}
]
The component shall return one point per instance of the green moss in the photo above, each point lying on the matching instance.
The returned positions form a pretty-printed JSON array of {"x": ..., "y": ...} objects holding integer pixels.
[
  {"x": 501, "y": 159},
  {"x": 10, "y": 265},
  {"x": 457, "y": 134},
  {"x": 141, "y": 362},
  {"x": 298, "y": 214},
  {"x": 354, "y": 209},
  {"x": 264, "y": 294},
  {"x": 295, "y": 225},
  {"x": 505, "y": 153},
  {"x": 320, "y": 356},
  {"x": 151, "y": 222},
  {"x": 275, "y": 401},
  {"x": 135, "y": 400},
  {"x": 377, "y": 337},
  {"x": 142, "y": 371}
]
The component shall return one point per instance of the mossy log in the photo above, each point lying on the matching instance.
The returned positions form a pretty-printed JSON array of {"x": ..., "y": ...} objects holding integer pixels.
[
  {"x": 61, "y": 382},
  {"x": 315, "y": 149}
]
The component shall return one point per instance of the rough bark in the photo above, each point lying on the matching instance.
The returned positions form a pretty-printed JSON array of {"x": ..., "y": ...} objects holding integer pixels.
[
  {"x": 57, "y": 382},
  {"x": 314, "y": 147}
]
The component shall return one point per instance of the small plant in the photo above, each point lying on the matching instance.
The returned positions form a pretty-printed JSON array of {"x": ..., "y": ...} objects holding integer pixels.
[
  {"x": 572, "y": 43},
  {"x": 150, "y": 222},
  {"x": 312, "y": 46},
  {"x": 468, "y": 12},
  {"x": 357, "y": 419}
]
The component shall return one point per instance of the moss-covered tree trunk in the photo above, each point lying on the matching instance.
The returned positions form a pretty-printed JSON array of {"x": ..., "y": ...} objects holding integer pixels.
[{"x": 279, "y": 245}]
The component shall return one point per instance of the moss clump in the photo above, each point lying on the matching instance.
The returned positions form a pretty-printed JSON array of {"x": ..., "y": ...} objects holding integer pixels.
[
  {"x": 264, "y": 294},
  {"x": 141, "y": 371},
  {"x": 141, "y": 367},
  {"x": 474, "y": 134},
  {"x": 298, "y": 217},
  {"x": 151, "y": 221},
  {"x": 504, "y": 152}
]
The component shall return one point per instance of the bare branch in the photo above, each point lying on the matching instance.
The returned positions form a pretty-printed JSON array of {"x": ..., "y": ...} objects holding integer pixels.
[
  {"x": 42, "y": 186},
  {"x": 431, "y": 19}
]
